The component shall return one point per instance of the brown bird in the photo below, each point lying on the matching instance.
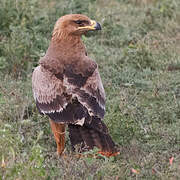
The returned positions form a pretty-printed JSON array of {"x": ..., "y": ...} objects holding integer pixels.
[{"x": 67, "y": 87}]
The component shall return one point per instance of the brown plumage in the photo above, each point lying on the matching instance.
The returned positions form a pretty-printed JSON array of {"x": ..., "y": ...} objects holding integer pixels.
[{"x": 67, "y": 87}]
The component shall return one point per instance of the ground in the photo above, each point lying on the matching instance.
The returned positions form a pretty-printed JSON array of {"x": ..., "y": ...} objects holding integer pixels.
[{"x": 138, "y": 52}]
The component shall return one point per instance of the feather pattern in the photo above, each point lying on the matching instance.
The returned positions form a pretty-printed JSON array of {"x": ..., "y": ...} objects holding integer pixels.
[{"x": 54, "y": 95}]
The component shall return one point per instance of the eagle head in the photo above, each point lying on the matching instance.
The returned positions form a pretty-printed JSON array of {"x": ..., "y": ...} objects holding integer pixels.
[{"x": 74, "y": 24}]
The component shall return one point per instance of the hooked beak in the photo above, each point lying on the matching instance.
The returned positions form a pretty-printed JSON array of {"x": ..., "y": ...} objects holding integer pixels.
[{"x": 93, "y": 27}]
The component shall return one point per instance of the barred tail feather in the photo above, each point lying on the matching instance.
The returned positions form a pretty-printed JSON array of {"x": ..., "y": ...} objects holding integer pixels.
[{"x": 89, "y": 137}]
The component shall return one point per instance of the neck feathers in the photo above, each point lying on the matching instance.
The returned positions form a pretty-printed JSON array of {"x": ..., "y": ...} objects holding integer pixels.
[
  {"x": 58, "y": 35},
  {"x": 67, "y": 44}
]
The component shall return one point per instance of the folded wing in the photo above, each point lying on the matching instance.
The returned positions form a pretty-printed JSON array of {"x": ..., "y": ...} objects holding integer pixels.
[{"x": 71, "y": 97}]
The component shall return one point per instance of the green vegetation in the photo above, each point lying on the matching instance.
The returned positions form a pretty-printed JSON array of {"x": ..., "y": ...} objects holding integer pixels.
[{"x": 138, "y": 52}]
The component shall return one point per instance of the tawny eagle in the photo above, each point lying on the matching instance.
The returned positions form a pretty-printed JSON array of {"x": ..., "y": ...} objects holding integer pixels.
[{"x": 67, "y": 87}]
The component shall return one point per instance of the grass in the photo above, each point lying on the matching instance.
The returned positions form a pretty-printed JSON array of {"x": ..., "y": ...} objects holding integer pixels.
[{"x": 139, "y": 61}]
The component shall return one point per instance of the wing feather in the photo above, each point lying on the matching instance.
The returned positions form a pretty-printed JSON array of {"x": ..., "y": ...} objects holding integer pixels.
[
  {"x": 94, "y": 87},
  {"x": 91, "y": 95},
  {"x": 48, "y": 91}
]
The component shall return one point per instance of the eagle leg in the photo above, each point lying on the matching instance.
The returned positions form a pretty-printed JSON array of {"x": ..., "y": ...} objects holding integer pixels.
[{"x": 59, "y": 135}]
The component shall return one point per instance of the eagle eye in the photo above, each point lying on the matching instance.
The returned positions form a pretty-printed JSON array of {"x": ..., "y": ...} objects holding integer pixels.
[
  {"x": 81, "y": 22},
  {"x": 78, "y": 22}
]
